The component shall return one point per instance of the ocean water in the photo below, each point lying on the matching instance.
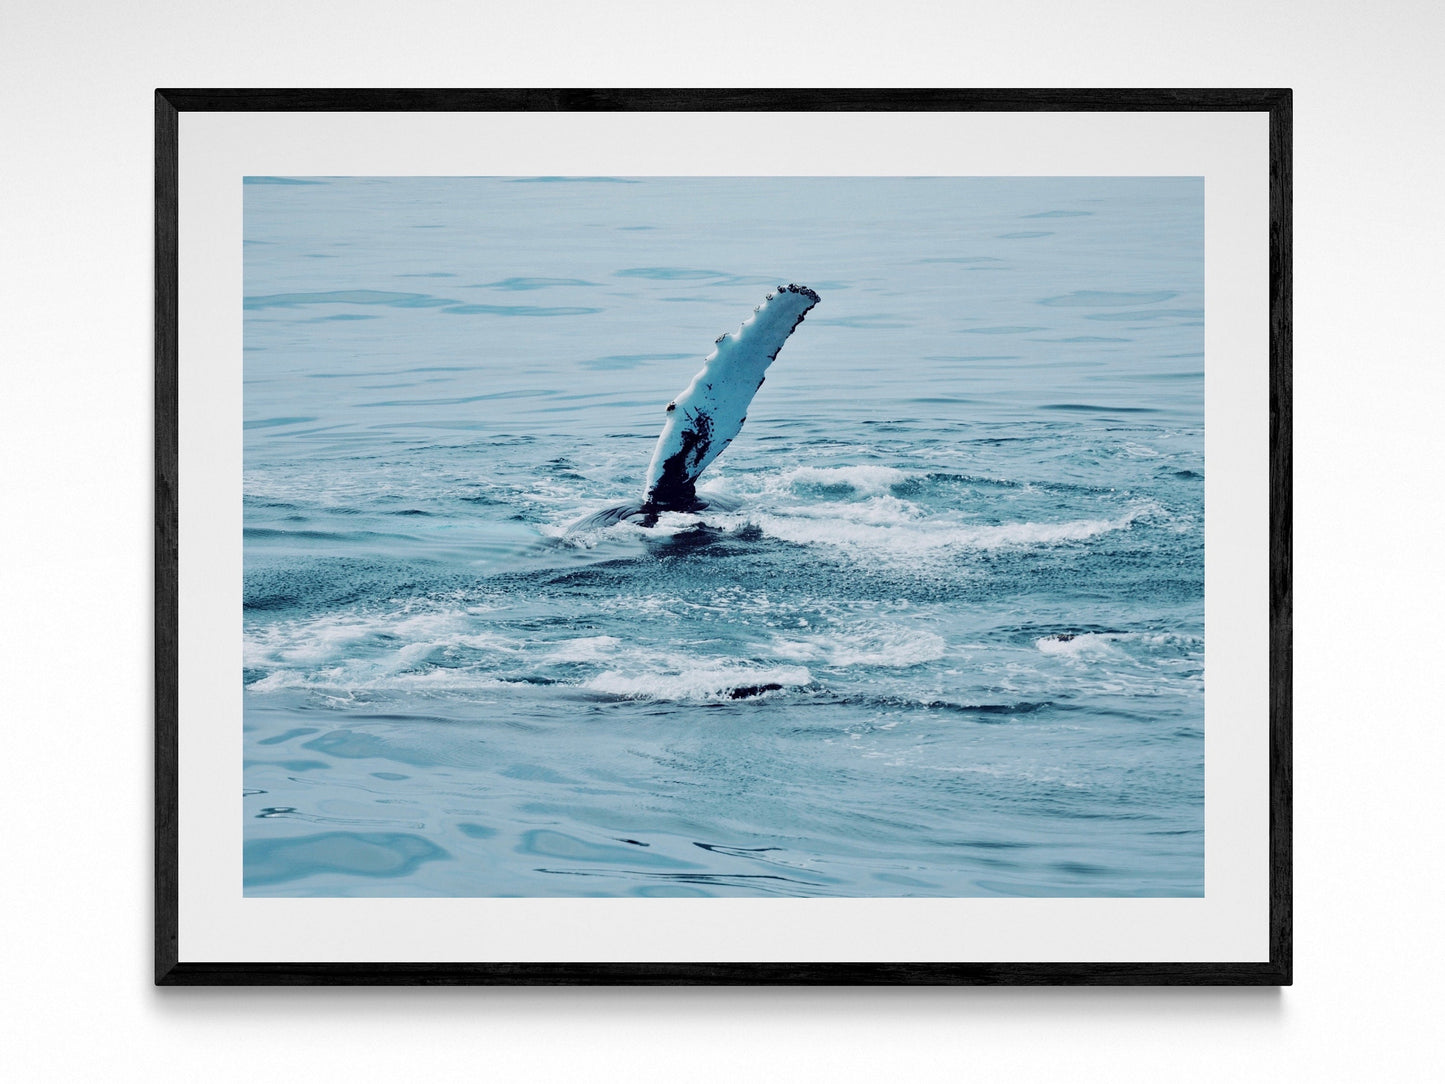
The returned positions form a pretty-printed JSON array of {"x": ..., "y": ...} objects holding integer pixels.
[{"x": 947, "y": 638}]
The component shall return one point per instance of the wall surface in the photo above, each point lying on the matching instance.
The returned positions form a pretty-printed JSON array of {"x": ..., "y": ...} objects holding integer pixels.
[{"x": 75, "y": 339}]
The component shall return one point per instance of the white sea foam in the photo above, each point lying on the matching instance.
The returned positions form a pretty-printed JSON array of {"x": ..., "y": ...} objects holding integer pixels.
[
  {"x": 866, "y": 479},
  {"x": 1104, "y": 643},
  {"x": 705, "y": 682},
  {"x": 1074, "y": 647},
  {"x": 867, "y": 521},
  {"x": 888, "y": 526},
  {"x": 584, "y": 649},
  {"x": 354, "y": 684},
  {"x": 890, "y": 647},
  {"x": 870, "y": 521},
  {"x": 341, "y": 653}
]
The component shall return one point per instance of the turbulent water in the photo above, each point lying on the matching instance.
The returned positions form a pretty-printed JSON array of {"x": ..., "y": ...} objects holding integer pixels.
[{"x": 947, "y": 639}]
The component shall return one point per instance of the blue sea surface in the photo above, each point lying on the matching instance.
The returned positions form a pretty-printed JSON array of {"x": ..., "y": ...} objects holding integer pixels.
[{"x": 942, "y": 636}]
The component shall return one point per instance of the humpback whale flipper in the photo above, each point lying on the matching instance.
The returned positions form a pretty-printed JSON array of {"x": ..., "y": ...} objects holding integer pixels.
[{"x": 704, "y": 419}]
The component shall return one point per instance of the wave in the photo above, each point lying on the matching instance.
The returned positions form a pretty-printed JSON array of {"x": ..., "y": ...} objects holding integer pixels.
[
  {"x": 879, "y": 665},
  {"x": 451, "y": 652},
  {"x": 871, "y": 505},
  {"x": 885, "y": 528},
  {"x": 356, "y": 647},
  {"x": 1101, "y": 646},
  {"x": 1021, "y": 707},
  {"x": 867, "y": 511},
  {"x": 703, "y": 683},
  {"x": 887, "y": 647},
  {"x": 867, "y": 479},
  {"x": 1075, "y": 646},
  {"x": 584, "y": 649}
]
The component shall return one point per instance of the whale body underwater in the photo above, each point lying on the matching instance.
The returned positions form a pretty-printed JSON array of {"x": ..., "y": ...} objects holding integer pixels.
[{"x": 703, "y": 420}]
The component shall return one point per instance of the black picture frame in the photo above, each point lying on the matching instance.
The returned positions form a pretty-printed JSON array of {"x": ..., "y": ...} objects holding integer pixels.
[{"x": 171, "y": 971}]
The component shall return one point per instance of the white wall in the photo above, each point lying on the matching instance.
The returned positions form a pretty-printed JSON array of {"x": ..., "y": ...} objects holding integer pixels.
[{"x": 75, "y": 788}]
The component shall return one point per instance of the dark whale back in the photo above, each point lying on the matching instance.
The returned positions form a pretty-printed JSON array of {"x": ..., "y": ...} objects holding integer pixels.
[
  {"x": 644, "y": 515},
  {"x": 618, "y": 513}
]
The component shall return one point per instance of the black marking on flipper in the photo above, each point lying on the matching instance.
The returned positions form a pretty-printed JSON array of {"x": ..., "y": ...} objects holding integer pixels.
[{"x": 675, "y": 489}]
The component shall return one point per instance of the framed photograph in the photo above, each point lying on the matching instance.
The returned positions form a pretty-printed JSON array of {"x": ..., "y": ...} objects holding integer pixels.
[{"x": 736, "y": 537}]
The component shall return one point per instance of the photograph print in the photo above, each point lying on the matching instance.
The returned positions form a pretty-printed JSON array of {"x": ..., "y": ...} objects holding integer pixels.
[{"x": 723, "y": 536}]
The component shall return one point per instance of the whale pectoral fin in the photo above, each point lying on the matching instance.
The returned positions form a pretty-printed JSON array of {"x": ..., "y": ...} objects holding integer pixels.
[{"x": 714, "y": 406}]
